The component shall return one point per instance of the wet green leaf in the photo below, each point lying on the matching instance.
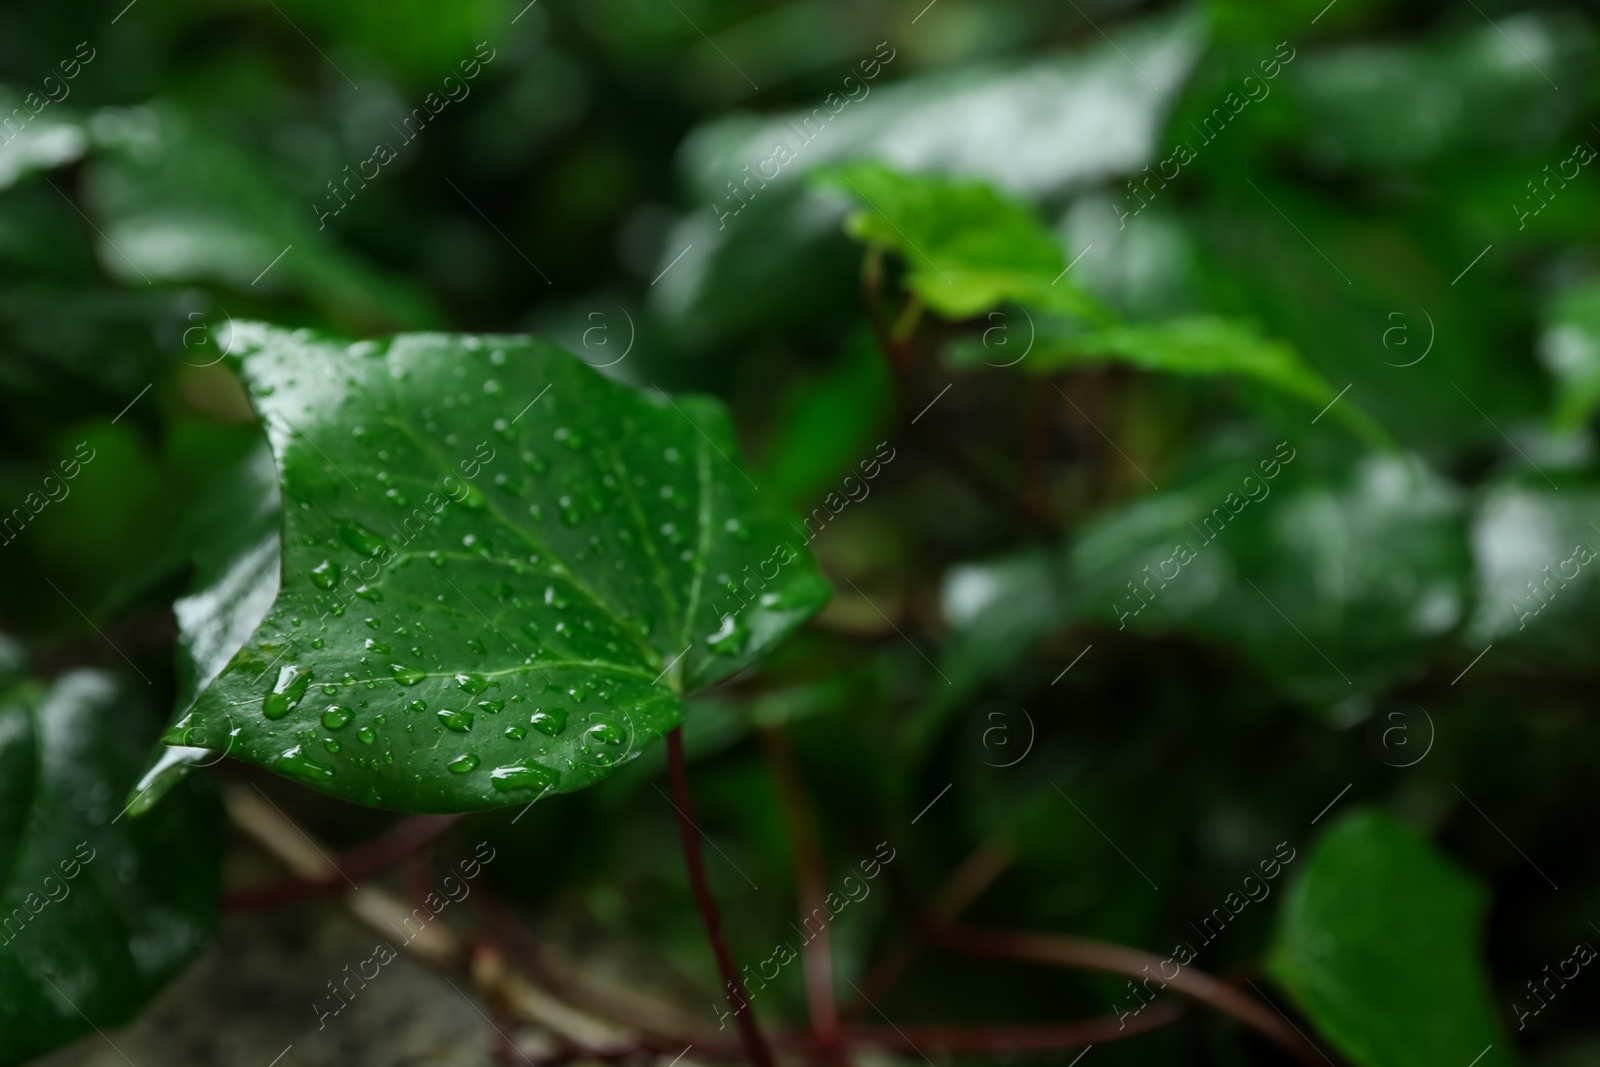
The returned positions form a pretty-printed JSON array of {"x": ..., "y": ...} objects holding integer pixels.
[
  {"x": 1379, "y": 944},
  {"x": 97, "y": 912},
  {"x": 499, "y": 569}
]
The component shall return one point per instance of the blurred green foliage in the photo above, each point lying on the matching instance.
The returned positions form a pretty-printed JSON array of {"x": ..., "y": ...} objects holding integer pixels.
[{"x": 1374, "y": 255}]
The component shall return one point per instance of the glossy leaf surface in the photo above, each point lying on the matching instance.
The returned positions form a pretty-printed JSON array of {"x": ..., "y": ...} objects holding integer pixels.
[
  {"x": 97, "y": 912},
  {"x": 499, "y": 571}
]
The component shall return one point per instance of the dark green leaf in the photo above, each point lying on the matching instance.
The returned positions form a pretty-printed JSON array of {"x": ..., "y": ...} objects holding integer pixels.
[
  {"x": 1378, "y": 943},
  {"x": 97, "y": 912},
  {"x": 500, "y": 570},
  {"x": 183, "y": 204}
]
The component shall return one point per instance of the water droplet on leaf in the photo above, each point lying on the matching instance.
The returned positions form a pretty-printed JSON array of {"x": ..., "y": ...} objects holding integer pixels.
[
  {"x": 407, "y": 675},
  {"x": 458, "y": 721}
]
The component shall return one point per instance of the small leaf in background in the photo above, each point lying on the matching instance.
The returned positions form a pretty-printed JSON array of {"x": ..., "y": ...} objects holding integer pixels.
[
  {"x": 97, "y": 912},
  {"x": 1203, "y": 346},
  {"x": 967, "y": 247},
  {"x": 500, "y": 571},
  {"x": 1379, "y": 943}
]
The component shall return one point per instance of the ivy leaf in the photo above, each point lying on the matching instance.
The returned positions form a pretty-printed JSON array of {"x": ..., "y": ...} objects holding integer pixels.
[
  {"x": 500, "y": 571},
  {"x": 97, "y": 912},
  {"x": 1378, "y": 943},
  {"x": 967, "y": 248}
]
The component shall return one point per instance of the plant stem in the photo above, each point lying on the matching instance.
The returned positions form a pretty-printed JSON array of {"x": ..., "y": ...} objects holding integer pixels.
[
  {"x": 403, "y": 840},
  {"x": 1003, "y": 1040},
  {"x": 817, "y": 953},
  {"x": 966, "y": 884},
  {"x": 755, "y": 1046},
  {"x": 1118, "y": 959}
]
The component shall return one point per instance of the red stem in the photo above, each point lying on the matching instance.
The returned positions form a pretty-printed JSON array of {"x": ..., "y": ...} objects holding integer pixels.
[
  {"x": 1118, "y": 959},
  {"x": 966, "y": 884},
  {"x": 403, "y": 839},
  {"x": 755, "y": 1047},
  {"x": 817, "y": 953},
  {"x": 924, "y": 1039}
]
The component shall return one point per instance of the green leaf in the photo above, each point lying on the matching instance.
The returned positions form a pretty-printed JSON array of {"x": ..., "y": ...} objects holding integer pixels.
[
  {"x": 1378, "y": 943},
  {"x": 500, "y": 571},
  {"x": 183, "y": 204},
  {"x": 1204, "y": 346},
  {"x": 97, "y": 912},
  {"x": 967, "y": 248}
]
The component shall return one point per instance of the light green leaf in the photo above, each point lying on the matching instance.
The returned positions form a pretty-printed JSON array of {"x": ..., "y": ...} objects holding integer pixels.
[
  {"x": 500, "y": 571},
  {"x": 967, "y": 248},
  {"x": 1379, "y": 944},
  {"x": 1202, "y": 346},
  {"x": 97, "y": 912}
]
